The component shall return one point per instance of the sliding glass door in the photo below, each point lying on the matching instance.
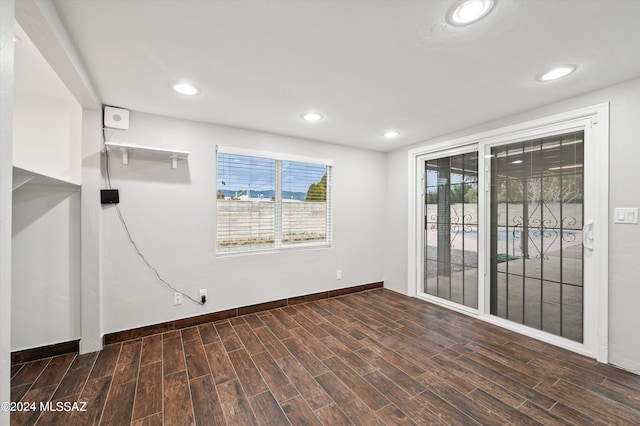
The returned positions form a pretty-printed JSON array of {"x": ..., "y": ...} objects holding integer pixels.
[
  {"x": 451, "y": 228},
  {"x": 511, "y": 225},
  {"x": 536, "y": 221}
]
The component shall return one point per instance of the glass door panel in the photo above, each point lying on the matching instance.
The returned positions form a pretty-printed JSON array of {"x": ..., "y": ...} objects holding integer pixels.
[
  {"x": 451, "y": 228},
  {"x": 537, "y": 194}
]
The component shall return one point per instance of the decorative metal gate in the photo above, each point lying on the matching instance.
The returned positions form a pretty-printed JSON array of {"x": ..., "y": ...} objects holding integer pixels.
[
  {"x": 537, "y": 193},
  {"x": 451, "y": 228}
]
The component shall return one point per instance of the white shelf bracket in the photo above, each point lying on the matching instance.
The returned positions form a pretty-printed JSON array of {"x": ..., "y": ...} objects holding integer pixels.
[
  {"x": 125, "y": 156},
  {"x": 174, "y": 161}
]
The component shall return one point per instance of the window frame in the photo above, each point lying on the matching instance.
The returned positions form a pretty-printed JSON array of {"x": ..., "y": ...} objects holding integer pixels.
[{"x": 279, "y": 245}]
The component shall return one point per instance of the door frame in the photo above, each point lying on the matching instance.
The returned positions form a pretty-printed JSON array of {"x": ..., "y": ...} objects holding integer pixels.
[{"x": 594, "y": 120}]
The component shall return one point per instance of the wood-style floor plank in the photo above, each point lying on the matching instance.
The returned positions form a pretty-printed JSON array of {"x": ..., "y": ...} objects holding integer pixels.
[
  {"x": 271, "y": 342},
  {"x": 248, "y": 374},
  {"x": 454, "y": 372},
  {"x": 375, "y": 357},
  {"x": 55, "y": 418},
  {"x": 541, "y": 415},
  {"x": 312, "y": 344},
  {"x": 119, "y": 406},
  {"x": 29, "y": 372},
  {"x": 310, "y": 390},
  {"x": 406, "y": 382},
  {"x": 235, "y": 405},
  {"x": 299, "y": 413},
  {"x": 254, "y": 321},
  {"x": 275, "y": 326},
  {"x": 54, "y": 371},
  {"x": 30, "y": 417},
  {"x": 367, "y": 393},
  {"x": 15, "y": 368},
  {"x": 17, "y": 392},
  {"x": 219, "y": 363},
  {"x": 305, "y": 356},
  {"x": 75, "y": 378},
  {"x": 155, "y": 420},
  {"x": 172, "y": 355},
  {"x": 392, "y": 415},
  {"x": 510, "y": 414},
  {"x": 196, "y": 358},
  {"x": 310, "y": 326},
  {"x": 208, "y": 333},
  {"x": 178, "y": 406},
  {"x": 228, "y": 336},
  {"x": 508, "y": 383},
  {"x": 356, "y": 410},
  {"x": 151, "y": 350},
  {"x": 590, "y": 402},
  {"x": 148, "y": 399},
  {"x": 332, "y": 415},
  {"x": 95, "y": 394},
  {"x": 128, "y": 363},
  {"x": 285, "y": 319},
  {"x": 277, "y": 381},
  {"x": 267, "y": 410},
  {"x": 249, "y": 339},
  {"x": 419, "y": 413},
  {"x": 206, "y": 403},
  {"x": 190, "y": 333},
  {"x": 106, "y": 362},
  {"x": 443, "y": 410}
]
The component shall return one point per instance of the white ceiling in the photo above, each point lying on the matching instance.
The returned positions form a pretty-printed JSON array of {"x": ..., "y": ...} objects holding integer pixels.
[{"x": 368, "y": 66}]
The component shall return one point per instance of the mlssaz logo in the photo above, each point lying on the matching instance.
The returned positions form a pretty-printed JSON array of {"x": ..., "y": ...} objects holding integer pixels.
[{"x": 63, "y": 406}]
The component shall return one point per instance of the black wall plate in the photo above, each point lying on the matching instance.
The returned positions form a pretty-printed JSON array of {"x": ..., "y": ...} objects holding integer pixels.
[{"x": 109, "y": 196}]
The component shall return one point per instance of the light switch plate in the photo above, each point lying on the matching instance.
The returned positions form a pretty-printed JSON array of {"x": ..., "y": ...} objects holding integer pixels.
[{"x": 625, "y": 215}]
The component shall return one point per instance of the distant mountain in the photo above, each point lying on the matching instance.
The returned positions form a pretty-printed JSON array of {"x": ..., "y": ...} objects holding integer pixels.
[{"x": 268, "y": 194}]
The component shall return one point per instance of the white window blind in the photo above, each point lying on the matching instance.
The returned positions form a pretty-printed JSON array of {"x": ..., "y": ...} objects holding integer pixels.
[{"x": 269, "y": 201}]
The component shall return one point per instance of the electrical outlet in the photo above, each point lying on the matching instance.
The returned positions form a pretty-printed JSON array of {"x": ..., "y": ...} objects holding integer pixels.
[
  {"x": 203, "y": 294},
  {"x": 177, "y": 299},
  {"x": 339, "y": 274}
]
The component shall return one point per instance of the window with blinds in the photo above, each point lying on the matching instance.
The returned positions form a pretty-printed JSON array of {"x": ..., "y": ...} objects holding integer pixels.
[{"x": 268, "y": 201}]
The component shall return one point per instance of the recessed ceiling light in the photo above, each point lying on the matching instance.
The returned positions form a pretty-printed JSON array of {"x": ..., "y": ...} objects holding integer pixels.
[
  {"x": 390, "y": 134},
  {"x": 312, "y": 116},
  {"x": 574, "y": 166},
  {"x": 557, "y": 73},
  {"x": 16, "y": 39},
  {"x": 185, "y": 89},
  {"x": 469, "y": 11}
]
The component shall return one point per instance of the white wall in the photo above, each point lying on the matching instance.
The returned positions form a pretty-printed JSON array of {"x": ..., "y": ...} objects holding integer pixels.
[
  {"x": 7, "y": 11},
  {"x": 91, "y": 233},
  {"x": 47, "y": 136},
  {"x": 624, "y": 240},
  {"x": 171, "y": 215},
  {"x": 46, "y": 266},
  {"x": 47, "y": 119}
]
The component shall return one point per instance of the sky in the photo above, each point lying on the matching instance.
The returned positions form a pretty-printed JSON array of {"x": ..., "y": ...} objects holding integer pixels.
[{"x": 241, "y": 172}]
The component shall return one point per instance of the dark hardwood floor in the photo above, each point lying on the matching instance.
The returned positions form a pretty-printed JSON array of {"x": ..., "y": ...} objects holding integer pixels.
[{"x": 369, "y": 358}]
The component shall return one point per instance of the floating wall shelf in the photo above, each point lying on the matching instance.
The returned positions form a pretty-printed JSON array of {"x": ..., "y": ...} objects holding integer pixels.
[{"x": 126, "y": 148}]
